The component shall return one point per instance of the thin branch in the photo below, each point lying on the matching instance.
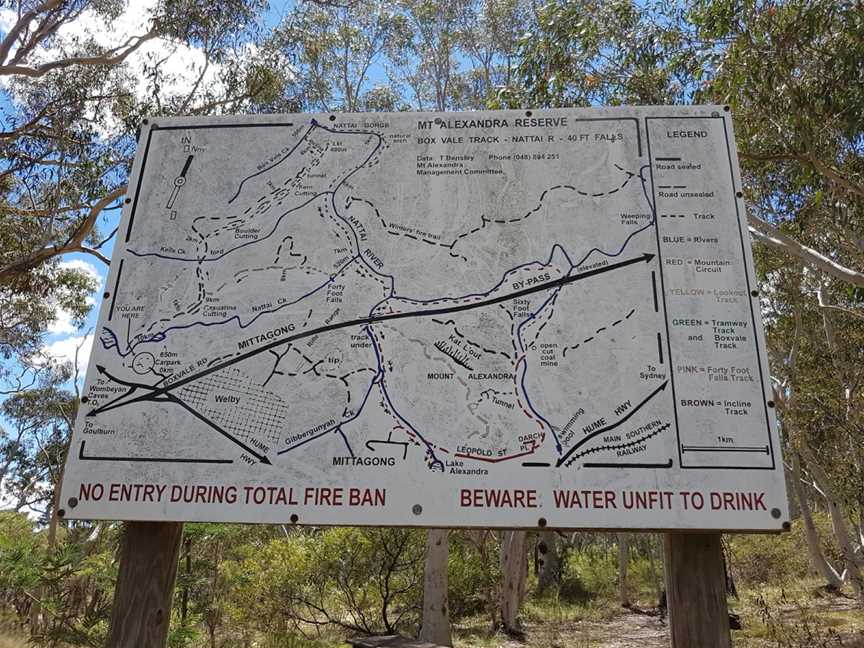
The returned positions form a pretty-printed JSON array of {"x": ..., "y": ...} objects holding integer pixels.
[
  {"x": 820, "y": 167},
  {"x": 766, "y": 233},
  {"x": 92, "y": 252},
  {"x": 22, "y": 24},
  {"x": 76, "y": 368},
  {"x": 54, "y": 18},
  {"x": 30, "y": 125},
  {"x": 75, "y": 243},
  {"x": 109, "y": 237},
  {"x": 841, "y": 309},
  {"x": 19, "y": 381},
  {"x": 107, "y": 58},
  {"x": 185, "y": 105},
  {"x": 828, "y": 328}
]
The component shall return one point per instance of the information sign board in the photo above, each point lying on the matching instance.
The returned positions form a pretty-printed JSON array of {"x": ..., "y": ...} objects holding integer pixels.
[{"x": 491, "y": 319}]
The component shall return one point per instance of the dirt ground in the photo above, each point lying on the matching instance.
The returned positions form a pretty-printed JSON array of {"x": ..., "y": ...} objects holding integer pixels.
[
  {"x": 825, "y": 622},
  {"x": 628, "y": 629}
]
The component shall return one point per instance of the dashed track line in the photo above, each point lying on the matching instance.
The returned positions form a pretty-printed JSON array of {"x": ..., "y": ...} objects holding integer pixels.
[
  {"x": 599, "y": 330},
  {"x": 547, "y": 320},
  {"x": 389, "y": 230},
  {"x": 290, "y": 248},
  {"x": 508, "y": 221},
  {"x": 274, "y": 371}
]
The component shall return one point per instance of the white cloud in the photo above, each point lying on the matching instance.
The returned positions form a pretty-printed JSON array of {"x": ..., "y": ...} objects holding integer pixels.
[
  {"x": 180, "y": 64},
  {"x": 83, "y": 266},
  {"x": 64, "y": 350},
  {"x": 62, "y": 324}
]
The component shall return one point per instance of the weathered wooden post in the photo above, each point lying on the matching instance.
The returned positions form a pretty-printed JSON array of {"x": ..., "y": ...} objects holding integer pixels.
[
  {"x": 696, "y": 590},
  {"x": 141, "y": 611}
]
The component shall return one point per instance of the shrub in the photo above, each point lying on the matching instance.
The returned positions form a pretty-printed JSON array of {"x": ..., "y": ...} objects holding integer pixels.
[
  {"x": 473, "y": 573},
  {"x": 362, "y": 580},
  {"x": 760, "y": 559},
  {"x": 589, "y": 572}
]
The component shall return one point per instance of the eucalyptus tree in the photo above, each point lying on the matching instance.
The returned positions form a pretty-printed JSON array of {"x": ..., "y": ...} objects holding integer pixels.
[
  {"x": 336, "y": 53},
  {"x": 77, "y": 77},
  {"x": 428, "y": 66},
  {"x": 75, "y": 89},
  {"x": 31, "y": 446},
  {"x": 791, "y": 73},
  {"x": 817, "y": 357}
]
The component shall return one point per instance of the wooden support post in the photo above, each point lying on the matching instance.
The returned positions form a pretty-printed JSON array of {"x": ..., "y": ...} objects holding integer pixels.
[
  {"x": 696, "y": 591},
  {"x": 142, "y": 599}
]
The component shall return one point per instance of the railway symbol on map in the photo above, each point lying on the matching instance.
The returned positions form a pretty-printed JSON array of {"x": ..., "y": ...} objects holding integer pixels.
[{"x": 473, "y": 319}]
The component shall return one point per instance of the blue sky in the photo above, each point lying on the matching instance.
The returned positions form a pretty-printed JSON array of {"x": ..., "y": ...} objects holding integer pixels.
[{"x": 61, "y": 338}]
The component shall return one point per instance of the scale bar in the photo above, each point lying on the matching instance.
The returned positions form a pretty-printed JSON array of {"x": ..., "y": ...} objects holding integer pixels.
[
  {"x": 761, "y": 449},
  {"x": 668, "y": 464}
]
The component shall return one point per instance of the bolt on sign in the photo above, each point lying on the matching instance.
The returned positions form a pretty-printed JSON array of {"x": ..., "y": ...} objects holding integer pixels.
[{"x": 490, "y": 319}]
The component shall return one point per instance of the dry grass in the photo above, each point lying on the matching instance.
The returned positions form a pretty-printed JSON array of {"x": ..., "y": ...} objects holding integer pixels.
[
  {"x": 7, "y": 641},
  {"x": 801, "y": 616},
  {"x": 798, "y": 614}
]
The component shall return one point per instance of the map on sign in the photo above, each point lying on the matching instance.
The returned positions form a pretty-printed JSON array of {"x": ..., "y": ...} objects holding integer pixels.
[{"x": 511, "y": 319}]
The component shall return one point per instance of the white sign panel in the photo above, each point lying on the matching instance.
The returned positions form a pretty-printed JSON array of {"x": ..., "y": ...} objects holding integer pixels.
[{"x": 492, "y": 319}]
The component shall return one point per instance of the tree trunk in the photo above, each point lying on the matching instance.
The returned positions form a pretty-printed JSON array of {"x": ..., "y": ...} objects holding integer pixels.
[
  {"x": 435, "y": 627},
  {"x": 731, "y": 588},
  {"x": 53, "y": 522},
  {"x": 623, "y": 559},
  {"x": 814, "y": 546},
  {"x": 514, "y": 570},
  {"x": 184, "y": 601},
  {"x": 838, "y": 523},
  {"x": 547, "y": 575}
]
